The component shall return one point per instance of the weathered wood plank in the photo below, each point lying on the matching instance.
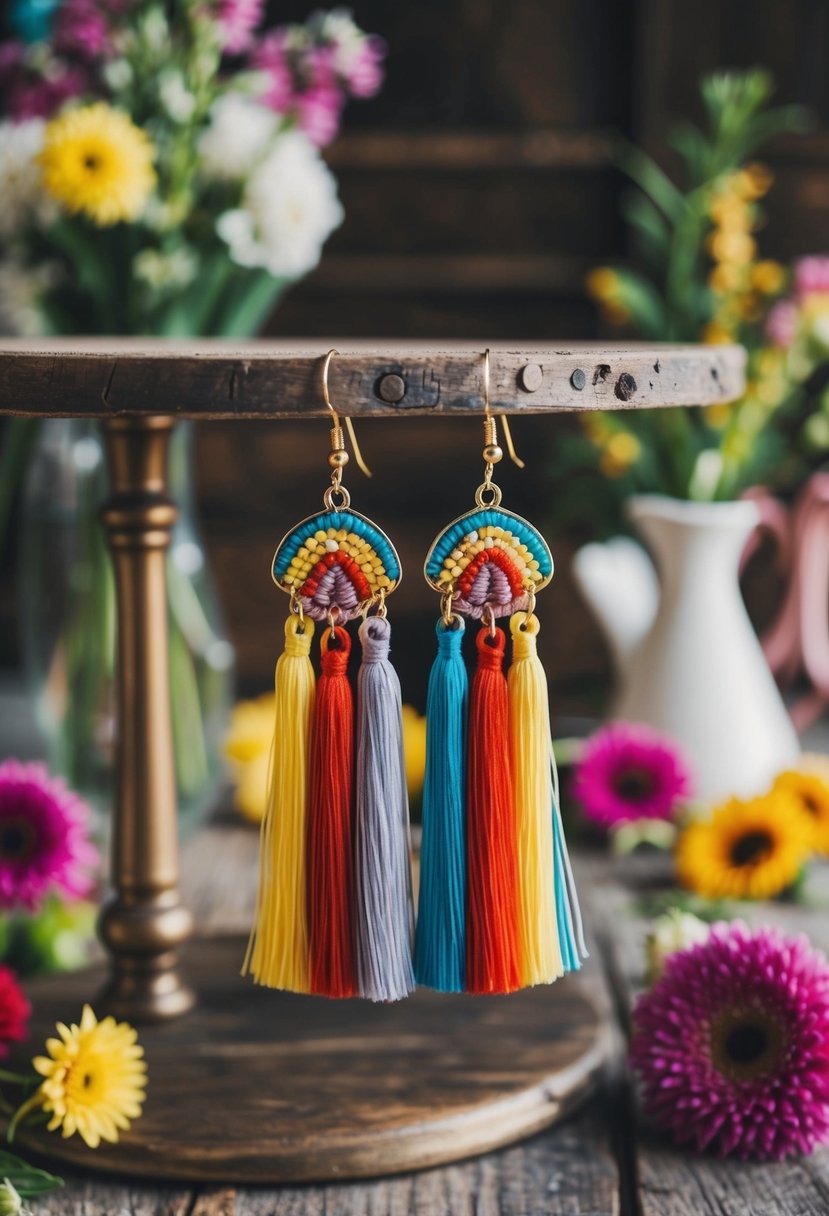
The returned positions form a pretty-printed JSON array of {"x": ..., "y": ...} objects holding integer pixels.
[
  {"x": 568, "y": 1171},
  {"x": 94, "y": 1198},
  {"x": 211, "y": 380}
]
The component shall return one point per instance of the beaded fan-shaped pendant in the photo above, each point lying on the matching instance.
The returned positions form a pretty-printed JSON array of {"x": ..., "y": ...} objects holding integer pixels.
[
  {"x": 336, "y": 562},
  {"x": 489, "y": 558}
]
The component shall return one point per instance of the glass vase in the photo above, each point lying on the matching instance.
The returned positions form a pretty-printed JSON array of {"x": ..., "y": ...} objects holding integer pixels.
[{"x": 67, "y": 612}]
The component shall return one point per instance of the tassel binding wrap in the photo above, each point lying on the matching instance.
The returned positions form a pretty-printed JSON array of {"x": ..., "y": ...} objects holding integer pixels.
[
  {"x": 330, "y": 825},
  {"x": 492, "y": 943},
  {"x": 382, "y": 879},
  {"x": 277, "y": 954},
  {"x": 440, "y": 938}
]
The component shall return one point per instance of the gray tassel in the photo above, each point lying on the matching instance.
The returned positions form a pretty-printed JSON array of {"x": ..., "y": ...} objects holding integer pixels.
[{"x": 384, "y": 914}]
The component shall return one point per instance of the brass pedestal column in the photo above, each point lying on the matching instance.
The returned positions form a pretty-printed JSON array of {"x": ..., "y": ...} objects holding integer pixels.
[{"x": 144, "y": 921}]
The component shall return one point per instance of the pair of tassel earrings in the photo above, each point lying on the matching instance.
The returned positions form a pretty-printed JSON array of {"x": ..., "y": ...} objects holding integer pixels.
[{"x": 497, "y": 907}]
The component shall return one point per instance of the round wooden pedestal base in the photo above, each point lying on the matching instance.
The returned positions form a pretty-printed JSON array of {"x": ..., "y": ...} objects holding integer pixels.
[{"x": 260, "y": 1086}]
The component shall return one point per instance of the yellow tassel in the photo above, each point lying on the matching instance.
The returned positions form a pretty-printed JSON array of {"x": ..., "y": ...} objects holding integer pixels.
[
  {"x": 530, "y": 751},
  {"x": 277, "y": 954}
]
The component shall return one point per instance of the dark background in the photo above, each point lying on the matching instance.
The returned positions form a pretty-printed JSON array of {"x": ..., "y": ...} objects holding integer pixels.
[{"x": 479, "y": 189}]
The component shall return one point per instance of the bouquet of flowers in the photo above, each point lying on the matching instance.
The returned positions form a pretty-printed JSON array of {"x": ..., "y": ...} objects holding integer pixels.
[
  {"x": 698, "y": 276},
  {"x": 160, "y": 162}
]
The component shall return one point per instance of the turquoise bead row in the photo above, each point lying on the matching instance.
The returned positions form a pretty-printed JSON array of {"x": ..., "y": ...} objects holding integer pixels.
[
  {"x": 486, "y": 518},
  {"x": 336, "y": 519}
]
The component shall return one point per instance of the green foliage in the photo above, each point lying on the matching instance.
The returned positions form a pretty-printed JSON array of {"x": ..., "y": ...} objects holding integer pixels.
[{"x": 695, "y": 276}]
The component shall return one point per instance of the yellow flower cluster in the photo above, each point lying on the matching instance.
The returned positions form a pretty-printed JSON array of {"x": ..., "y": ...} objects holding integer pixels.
[
  {"x": 619, "y": 449},
  {"x": 247, "y": 748},
  {"x": 96, "y": 162},
  {"x": 739, "y": 282},
  {"x": 757, "y": 848},
  {"x": 603, "y": 286}
]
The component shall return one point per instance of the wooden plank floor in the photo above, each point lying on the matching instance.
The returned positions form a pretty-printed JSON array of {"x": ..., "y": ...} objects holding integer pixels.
[{"x": 600, "y": 1162}]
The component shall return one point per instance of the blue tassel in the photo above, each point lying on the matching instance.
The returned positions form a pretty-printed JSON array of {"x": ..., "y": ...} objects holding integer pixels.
[
  {"x": 568, "y": 914},
  {"x": 440, "y": 939}
]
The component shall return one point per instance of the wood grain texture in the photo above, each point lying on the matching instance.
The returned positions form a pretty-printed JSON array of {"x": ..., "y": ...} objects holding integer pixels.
[
  {"x": 210, "y": 380},
  {"x": 260, "y": 1086}
]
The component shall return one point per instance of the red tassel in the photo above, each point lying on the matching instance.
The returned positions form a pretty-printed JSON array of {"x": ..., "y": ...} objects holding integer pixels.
[
  {"x": 492, "y": 942},
  {"x": 331, "y": 825}
]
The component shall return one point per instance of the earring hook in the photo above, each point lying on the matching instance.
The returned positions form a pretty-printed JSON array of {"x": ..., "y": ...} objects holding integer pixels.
[
  {"x": 491, "y": 444},
  {"x": 338, "y": 456}
]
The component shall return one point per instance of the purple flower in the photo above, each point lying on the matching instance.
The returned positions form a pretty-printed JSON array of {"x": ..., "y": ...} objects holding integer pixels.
[
  {"x": 237, "y": 21},
  {"x": 732, "y": 1044},
  {"x": 44, "y": 837},
  {"x": 25, "y": 93},
  {"x": 626, "y": 772}
]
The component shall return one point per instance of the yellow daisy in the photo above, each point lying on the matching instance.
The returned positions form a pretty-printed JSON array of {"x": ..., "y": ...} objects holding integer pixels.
[
  {"x": 96, "y": 162},
  {"x": 746, "y": 850},
  {"x": 811, "y": 789},
  {"x": 93, "y": 1079}
]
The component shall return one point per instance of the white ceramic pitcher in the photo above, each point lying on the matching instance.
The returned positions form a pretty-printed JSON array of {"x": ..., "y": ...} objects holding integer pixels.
[{"x": 688, "y": 659}]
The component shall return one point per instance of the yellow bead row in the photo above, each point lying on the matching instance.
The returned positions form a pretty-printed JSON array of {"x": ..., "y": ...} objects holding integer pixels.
[
  {"x": 331, "y": 541},
  {"x": 475, "y": 542}
]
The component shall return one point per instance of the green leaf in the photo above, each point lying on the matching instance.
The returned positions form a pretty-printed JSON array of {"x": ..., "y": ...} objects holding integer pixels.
[
  {"x": 650, "y": 225},
  {"x": 644, "y": 303},
  {"x": 656, "y": 184},
  {"x": 27, "y": 1179}
]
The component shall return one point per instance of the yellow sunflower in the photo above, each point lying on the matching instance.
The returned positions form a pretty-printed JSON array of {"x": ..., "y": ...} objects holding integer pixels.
[
  {"x": 93, "y": 1079},
  {"x": 746, "y": 850},
  {"x": 97, "y": 162},
  {"x": 811, "y": 789}
]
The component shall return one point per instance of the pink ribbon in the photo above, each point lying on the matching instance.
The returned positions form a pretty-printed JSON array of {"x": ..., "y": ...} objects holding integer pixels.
[{"x": 797, "y": 642}]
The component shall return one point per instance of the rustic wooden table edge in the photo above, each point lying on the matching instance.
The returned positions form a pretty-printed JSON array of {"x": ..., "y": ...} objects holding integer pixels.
[{"x": 217, "y": 380}]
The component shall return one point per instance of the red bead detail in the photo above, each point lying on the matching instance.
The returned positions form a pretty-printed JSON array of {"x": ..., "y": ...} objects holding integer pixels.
[
  {"x": 501, "y": 558},
  {"x": 348, "y": 564}
]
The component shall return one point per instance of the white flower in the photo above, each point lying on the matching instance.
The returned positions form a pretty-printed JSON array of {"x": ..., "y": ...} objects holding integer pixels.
[
  {"x": 238, "y": 136},
  {"x": 20, "y": 290},
  {"x": 10, "y": 1202},
  {"x": 175, "y": 96},
  {"x": 340, "y": 29},
  {"x": 23, "y": 200},
  {"x": 289, "y": 208},
  {"x": 160, "y": 270},
  {"x": 670, "y": 933},
  {"x": 117, "y": 74}
]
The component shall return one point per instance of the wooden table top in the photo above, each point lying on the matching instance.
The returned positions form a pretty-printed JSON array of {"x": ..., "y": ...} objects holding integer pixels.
[
  {"x": 210, "y": 379},
  {"x": 600, "y": 1162}
]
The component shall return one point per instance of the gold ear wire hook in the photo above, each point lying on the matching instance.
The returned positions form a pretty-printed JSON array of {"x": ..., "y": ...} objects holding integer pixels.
[
  {"x": 492, "y": 449},
  {"x": 338, "y": 456}
]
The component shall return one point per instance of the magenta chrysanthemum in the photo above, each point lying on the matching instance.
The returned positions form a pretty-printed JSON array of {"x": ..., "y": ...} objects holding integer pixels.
[
  {"x": 628, "y": 772},
  {"x": 44, "y": 837},
  {"x": 732, "y": 1044}
]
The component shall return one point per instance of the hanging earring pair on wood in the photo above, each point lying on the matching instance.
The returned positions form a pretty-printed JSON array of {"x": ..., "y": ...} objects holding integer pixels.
[
  {"x": 497, "y": 908},
  {"x": 334, "y": 905}
]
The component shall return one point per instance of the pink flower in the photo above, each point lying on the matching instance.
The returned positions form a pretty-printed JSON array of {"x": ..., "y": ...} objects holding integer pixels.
[
  {"x": 732, "y": 1044},
  {"x": 811, "y": 276},
  {"x": 15, "y": 1011},
  {"x": 781, "y": 323},
  {"x": 363, "y": 72},
  {"x": 237, "y": 21},
  {"x": 271, "y": 59},
  {"x": 44, "y": 837},
  {"x": 629, "y": 772},
  {"x": 82, "y": 28},
  {"x": 318, "y": 113}
]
